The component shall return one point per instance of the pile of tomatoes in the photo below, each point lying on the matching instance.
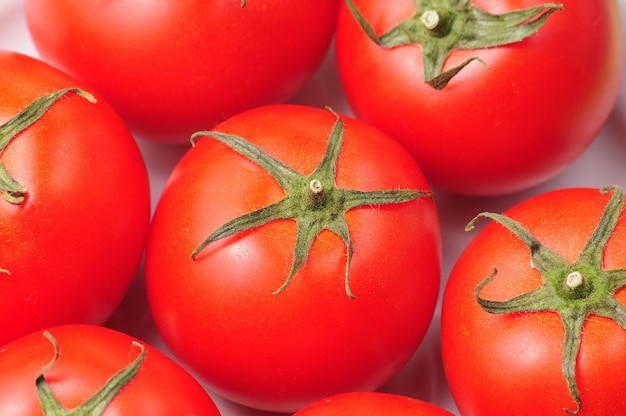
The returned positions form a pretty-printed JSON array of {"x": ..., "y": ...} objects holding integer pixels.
[{"x": 269, "y": 207}]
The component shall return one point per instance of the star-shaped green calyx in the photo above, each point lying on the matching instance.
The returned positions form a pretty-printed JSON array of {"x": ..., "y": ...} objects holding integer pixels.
[
  {"x": 97, "y": 404},
  {"x": 315, "y": 202},
  {"x": 441, "y": 26},
  {"x": 573, "y": 290}
]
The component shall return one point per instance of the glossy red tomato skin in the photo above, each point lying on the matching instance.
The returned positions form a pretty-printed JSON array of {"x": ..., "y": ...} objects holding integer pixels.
[
  {"x": 172, "y": 68},
  {"x": 495, "y": 130},
  {"x": 89, "y": 356},
  {"x": 74, "y": 246},
  {"x": 371, "y": 404},
  {"x": 279, "y": 352},
  {"x": 511, "y": 364}
]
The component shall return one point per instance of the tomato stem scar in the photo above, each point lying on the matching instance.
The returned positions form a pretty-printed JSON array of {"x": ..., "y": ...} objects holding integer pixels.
[
  {"x": 574, "y": 280},
  {"x": 430, "y": 19},
  {"x": 316, "y": 186}
]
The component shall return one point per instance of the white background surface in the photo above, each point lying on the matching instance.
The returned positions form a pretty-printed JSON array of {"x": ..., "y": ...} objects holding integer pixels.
[{"x": 602, "y": 164}]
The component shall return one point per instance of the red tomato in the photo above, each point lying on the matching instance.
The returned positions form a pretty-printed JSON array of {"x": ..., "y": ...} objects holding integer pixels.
[
  {"x": 563, "y": 346},
  {"x": 171, "y": 68},
  {"x": 74, "y": 244},
  {"x": 229, "y": 315},
  {"x": 88, "y": 357},
  {"x": 371, "y": 404},
  {"x": 519, "y": 119}
]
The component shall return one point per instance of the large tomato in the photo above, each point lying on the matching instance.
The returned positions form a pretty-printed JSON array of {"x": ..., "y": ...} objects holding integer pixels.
[
  {"x": 533, "y": 317},
  {"x": 371, "y": 404},
  {"x": 523, "y": 115},
  {"x": 286, "y": 312},
  {"x": 75, "y": 210},
  {"x": 173, "y": 67},
  {"x": 69, "y": 366}
]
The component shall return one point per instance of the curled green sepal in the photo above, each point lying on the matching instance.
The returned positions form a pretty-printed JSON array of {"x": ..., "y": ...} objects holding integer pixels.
[
  {"x": 11, "y": 190},
  {"x": 573, "y": 290},
  {"x": 315, "y": 202},
  {"x": 441, "y": 26},
  {"x": 97, "y": 404}
]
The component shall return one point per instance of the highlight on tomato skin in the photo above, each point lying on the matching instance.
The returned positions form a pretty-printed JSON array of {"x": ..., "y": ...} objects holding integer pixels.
[
  {"x": 371, "y": 404},
  {"x": 512, "y": 116},
  {"x": 171, "y": 68},
  {"x": 534, "y": 310},
  {"x": 94, "y": 370},
  {"x": 312, "y": 288}
]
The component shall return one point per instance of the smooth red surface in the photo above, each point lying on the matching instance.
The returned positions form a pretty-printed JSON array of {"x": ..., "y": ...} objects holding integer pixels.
[
  {"x": 74, "y": 246},
  {"x": 280, "y": 352},
  {"x": 173, "y": 67},
  {"x": 371, "y": 404}
]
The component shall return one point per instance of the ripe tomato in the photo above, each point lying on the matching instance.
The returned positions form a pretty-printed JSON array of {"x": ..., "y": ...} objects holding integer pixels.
[
  {"x": 150, "y": 383},
  {"x": 363, "y": 285},
  {"x": 74, "y": 235},
  {"x": 520, "y": 118},
  {"x": 533, "y": 318},
  {"x": 171, "y": 68},
  {"x": 371, "y": 404}
]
